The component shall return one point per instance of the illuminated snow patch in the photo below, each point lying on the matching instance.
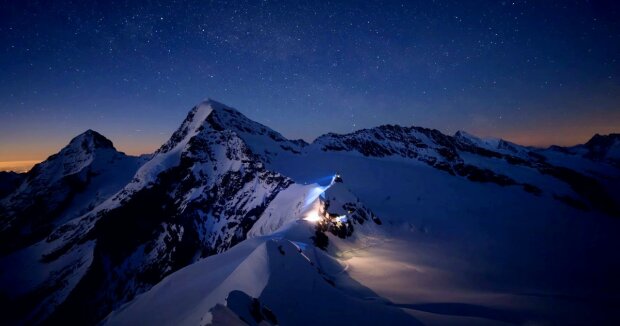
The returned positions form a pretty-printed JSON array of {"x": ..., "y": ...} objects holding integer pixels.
[{"x": 341, "y": 219}]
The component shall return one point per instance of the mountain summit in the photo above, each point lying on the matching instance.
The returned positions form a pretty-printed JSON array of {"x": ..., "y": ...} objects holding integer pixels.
[
  {"x": 90, "y": 140},
  {"x": 605, "y": 147},
  {"x": 213, "y": 115}
]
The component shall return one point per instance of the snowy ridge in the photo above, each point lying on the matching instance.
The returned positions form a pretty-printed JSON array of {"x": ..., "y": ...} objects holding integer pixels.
[
  {"x": 74, "y": 157},
  {"x": 415, "y": 144},
  {"x": 487, "y": 161},
  {"x": 289, "y": 206},
  {"x": 247, "y": 261},
  {"x": 426, "y": 145},
  {"x": 601, "y": 148},
  {"x": 493, "y": 144},
  {"x": 212, "y": 115},
  {"x": 258, "y": 268},
  {"x": 169, "y": 154},
  {"x": 262, "y": 140}
]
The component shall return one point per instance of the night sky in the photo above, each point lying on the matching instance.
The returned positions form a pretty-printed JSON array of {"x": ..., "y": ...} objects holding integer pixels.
[{"x": 534, "y": 72}]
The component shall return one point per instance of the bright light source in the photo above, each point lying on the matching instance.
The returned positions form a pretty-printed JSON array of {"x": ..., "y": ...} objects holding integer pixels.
[{"x": 312, "y": 217}]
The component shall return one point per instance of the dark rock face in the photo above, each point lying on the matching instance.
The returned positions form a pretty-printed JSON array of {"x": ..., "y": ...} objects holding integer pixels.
[
  {"x": 9, "y": 181},
  {"x": 92, "y": 140},
  {"x": 599, "y": 146},
  {"x": 340, "y": 213},
  {"x": 588, "y": 187},
  {"x": 390, "y": 140},
  {"x": 426, "y": 145},
  {"x": 31, "y": 219},
  {"x": 476, "y": 174}
]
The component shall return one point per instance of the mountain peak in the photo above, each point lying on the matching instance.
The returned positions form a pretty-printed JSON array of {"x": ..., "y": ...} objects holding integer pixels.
[
  {"x": 220, "y": 116},
  {"x": 604, "y": 147},
  {"x": 599, "y": 139},
  {"x": 90, "y": 140},
  {"x": 201, "y": 112},
  {"x": 475, "y": 140},
  {"x": 79, "y": 153},
  {"x": 215, "y": 105},
  {"x": 462, "y": 133},
  {"x": 215, "y": 116}
]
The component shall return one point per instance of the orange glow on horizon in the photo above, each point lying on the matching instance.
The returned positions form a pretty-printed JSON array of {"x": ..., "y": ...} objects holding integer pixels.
[{"x": 18, "y": 166}]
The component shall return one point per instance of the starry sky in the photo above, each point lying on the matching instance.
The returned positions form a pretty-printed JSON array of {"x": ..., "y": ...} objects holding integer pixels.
[{"x": 534, "y": 72}]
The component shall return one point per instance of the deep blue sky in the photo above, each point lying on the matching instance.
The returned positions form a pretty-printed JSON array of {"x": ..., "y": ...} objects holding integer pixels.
[{"x": 535, "y": 72}]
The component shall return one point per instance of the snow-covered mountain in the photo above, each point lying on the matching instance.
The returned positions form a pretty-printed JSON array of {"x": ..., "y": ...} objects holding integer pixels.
[
  {"x": 66, "y": 185},
  {"x": 495, "y": 145},
  {"x": 198, "y": 195},
  {"x": 487, "y": 161},
  {"x": 231, "y": 222},
  {"x": 605, "y": 148}
]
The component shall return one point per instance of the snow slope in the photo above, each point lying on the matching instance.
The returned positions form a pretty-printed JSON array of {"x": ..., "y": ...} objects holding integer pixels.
[
  {"x": 447, "y": 240},
  {"x": 282, "y": 269}
]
